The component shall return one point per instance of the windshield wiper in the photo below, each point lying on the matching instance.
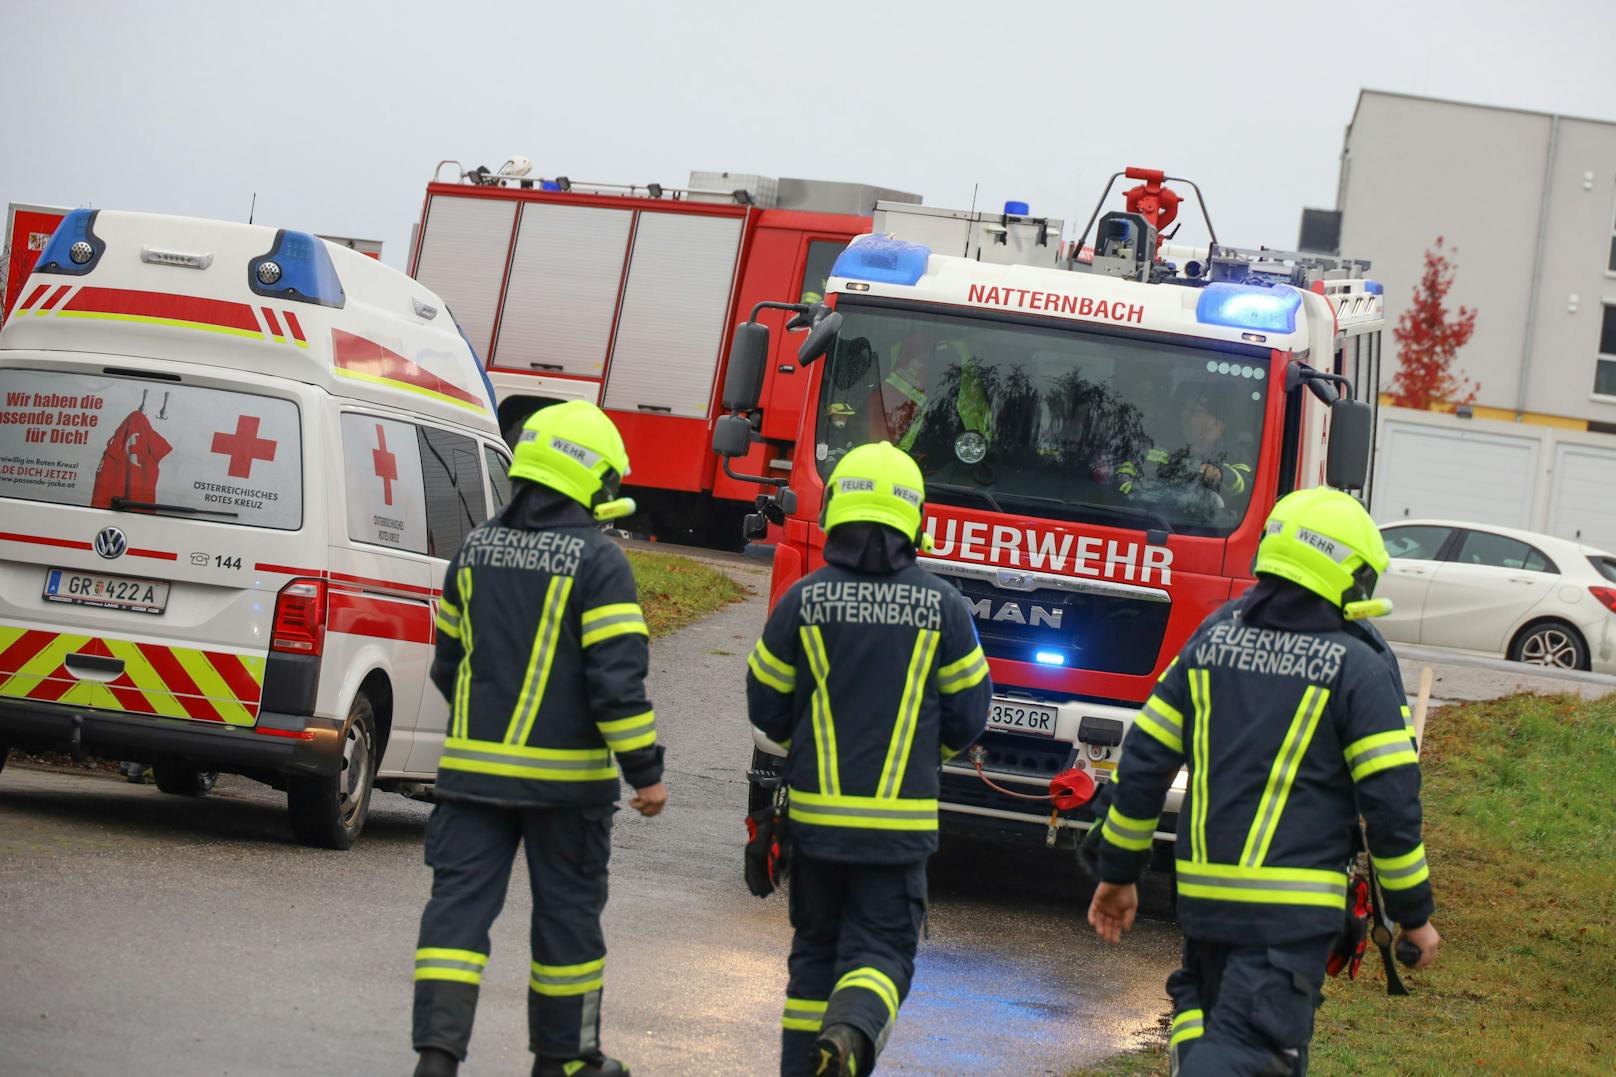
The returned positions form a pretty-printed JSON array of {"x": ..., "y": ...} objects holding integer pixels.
[
  {"x": 968, "y": 491},
  {"x": 124, "y": 504}
]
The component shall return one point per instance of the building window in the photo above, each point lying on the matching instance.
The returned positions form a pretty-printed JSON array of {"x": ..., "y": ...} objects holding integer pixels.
[{"x": 1605, "y": 370}]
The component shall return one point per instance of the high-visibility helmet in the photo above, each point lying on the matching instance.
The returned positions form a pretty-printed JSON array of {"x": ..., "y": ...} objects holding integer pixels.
[
  {"x": 1324, "y": 540},
  {"x": 877, "y": 483},
  {"x": 572, "y": 448}
]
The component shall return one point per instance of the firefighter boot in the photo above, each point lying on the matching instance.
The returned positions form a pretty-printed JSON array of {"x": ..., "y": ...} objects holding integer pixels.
[
  {"x": 591, "y": 1065},
  {"x": 436, "y": 1063},
  {"x": 841, "y": 1051}
]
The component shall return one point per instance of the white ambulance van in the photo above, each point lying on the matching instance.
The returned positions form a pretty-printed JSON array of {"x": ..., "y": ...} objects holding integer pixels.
[{"x": 234, "y": 461}]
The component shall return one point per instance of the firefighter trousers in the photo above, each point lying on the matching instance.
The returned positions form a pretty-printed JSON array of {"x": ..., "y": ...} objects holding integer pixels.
[
  {"x": 1245, "y": 1009},
  {"x": 853, "y": 954},
  {"x": 470, "y": 848}
]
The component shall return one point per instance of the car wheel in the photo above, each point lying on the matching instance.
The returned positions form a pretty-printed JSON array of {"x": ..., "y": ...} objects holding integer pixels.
[
  {"x": 329, "y": 812},
  {"x": 177, "y": 779},
  {"x": 1552, "y": 644}
]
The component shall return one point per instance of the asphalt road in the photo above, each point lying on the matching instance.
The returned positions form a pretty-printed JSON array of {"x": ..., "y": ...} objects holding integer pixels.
[{"x": 147, "y": 934}]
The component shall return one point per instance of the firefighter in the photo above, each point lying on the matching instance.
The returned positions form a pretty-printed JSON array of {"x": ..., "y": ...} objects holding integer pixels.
[
  {"x": 1288, "y": 712},
  {"x": 869, "y": 670},
  {"x": 909, "y": 406},
  {"x": 542, "y": 653},
  {"x": 1204, "y": 461}
]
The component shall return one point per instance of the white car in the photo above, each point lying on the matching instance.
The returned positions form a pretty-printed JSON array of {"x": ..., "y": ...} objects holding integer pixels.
[{"x": 1498, "y": 591}]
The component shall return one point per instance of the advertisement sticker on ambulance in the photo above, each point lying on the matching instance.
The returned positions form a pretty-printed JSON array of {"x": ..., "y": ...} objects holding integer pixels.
[
  {"x": 118, "y": 443},
  {"x": 382, "y": 460}
]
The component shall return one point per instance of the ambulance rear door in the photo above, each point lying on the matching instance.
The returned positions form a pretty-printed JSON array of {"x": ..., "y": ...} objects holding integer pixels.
[{"x": 152, "y": 512}]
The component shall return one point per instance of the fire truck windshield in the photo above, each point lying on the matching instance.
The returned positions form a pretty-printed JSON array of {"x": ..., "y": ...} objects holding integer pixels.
[{"x": 1050, "y": 421}]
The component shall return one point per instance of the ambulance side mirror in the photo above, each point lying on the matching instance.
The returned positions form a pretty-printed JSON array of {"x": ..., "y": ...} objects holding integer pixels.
[
  {"x": 1346, "y": 467},
  {"x": 743, "y": 381},
  {"x": 821, "y": 338}
]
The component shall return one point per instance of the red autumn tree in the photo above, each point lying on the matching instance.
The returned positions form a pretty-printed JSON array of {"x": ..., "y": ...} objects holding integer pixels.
[{"x": 1428, "y": 340}]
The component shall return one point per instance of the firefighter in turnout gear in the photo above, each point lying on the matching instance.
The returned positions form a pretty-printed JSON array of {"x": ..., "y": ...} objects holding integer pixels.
[
  {"x": 870, "y": 673},
  {"x": 542, "y": 653},
  {"x": 1288, "y": 711}
]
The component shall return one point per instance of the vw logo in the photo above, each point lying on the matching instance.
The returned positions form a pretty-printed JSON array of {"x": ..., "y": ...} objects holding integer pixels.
[{"x": 110, "y": 543}]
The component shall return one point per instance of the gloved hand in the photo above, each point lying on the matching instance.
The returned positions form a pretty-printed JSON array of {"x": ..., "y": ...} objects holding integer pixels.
[{"x": 767, "y": 858}]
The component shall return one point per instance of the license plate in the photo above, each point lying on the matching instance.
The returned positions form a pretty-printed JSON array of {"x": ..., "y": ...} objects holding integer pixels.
[
  {"x": 1015, "y": 716},
  {"x": 109, "y": 592}
]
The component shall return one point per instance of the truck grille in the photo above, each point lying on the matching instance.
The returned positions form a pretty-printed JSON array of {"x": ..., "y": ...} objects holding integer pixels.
[{"x": 1106, "y": 633}]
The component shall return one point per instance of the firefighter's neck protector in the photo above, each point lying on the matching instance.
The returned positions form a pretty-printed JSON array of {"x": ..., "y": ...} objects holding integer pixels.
[
  {"x": 878, "y": 484},
  {"x": 1323, "y": 540},
  {"x": 574, "y": 449}
]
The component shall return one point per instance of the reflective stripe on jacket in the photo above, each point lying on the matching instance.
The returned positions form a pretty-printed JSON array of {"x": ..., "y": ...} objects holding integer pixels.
[
  {"x": 1287, "y": 736},
  {"x": 542, "y": 653},
  {"x": 870, "y": 680}
]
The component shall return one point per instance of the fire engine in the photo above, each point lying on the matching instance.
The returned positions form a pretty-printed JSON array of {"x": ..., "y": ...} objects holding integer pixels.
[
  {"x": 620, "y": 294},
  {"x": 1103, "y": 429}
]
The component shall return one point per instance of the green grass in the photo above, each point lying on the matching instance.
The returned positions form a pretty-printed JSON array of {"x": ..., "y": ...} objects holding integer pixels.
[
  {"x": 676, "y": 591},
  {"x": 1520, "y": 808}
]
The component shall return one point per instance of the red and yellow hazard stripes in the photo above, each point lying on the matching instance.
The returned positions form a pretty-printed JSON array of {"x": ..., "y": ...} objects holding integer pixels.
[
  {"x": 166, "y": 309},
  {"x": 124, "y": 675}
]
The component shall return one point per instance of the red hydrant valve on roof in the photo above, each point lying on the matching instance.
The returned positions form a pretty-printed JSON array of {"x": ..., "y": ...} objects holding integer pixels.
[{"x": 1072, "y": 789}]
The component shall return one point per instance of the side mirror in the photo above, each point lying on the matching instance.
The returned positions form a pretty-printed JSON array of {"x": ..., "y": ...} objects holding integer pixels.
[
  {"x": 1346, "y": 467},
  {"x": 743, "y": 381},
  {"x": 820, "y": 338},
  {"x": 732, "y": 435}
]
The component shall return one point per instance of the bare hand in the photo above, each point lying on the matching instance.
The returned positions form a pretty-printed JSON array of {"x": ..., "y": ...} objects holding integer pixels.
[
  {"x": 650, "y": 800},
  {"x": 1111, "y": 912},
  {"x": 1211, "y": 476},
  {"x": 1429, "y": 942}
]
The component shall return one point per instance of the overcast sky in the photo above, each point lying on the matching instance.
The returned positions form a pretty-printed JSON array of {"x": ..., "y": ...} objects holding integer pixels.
[{"x": 335, "y": 113}]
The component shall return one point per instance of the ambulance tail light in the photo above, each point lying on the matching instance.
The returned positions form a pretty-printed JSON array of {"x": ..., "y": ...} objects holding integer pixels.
[
  {"x": 299, "y": 626},
  {"x": 298, "y": 269},
  {"x": 1249, "y": 306},
  {"x": 74, "y": 248},
  {"x": 1606, "y": 597},
  {"x": 883, "y": 260}
]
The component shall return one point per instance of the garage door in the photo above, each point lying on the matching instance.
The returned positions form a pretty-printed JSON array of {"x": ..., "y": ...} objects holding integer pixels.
[
  {"x": 1582, "y": 501},
  {"x": 1458, "y": 474}
]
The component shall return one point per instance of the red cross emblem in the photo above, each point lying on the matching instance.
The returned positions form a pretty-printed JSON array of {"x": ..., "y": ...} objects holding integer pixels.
[
  {"x": 243, "y": 447},
  {"x": 385, "y": 463}
]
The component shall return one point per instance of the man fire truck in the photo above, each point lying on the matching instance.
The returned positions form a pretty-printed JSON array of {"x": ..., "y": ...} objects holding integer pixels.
[
  {"x": 1148, "y": 402},
  {"x": 622, "y": 295}
]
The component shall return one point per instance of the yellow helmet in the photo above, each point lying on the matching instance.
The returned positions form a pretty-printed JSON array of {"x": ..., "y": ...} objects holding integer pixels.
[
  {"x": 1324, "y": 540},
  {"x": 876, "y": 483},
  {"x": 574, "y": 449}
]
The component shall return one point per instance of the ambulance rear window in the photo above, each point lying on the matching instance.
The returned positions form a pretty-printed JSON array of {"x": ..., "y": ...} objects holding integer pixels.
[{"x": 133, "y": 445}]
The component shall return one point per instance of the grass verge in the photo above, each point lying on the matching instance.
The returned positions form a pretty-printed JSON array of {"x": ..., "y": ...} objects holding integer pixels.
[
  {"x": 676, "y": 591},
  {"x": 1521, "y": 832}
]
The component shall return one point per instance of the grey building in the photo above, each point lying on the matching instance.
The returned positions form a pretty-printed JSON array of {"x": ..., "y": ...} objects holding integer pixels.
[{"x": 1527, "y": 200}]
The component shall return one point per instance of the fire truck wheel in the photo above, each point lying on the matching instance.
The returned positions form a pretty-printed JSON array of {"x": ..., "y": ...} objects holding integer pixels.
[
  {"x": 179, "y": 780},
  {"x": 329, "y": 813}
]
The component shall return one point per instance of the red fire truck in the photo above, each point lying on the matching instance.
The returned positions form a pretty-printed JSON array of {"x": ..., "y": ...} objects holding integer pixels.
[
  {"x": 623, "y": 294},
  {"x": 28, "y": 230},
  {"x": 1103, "y": 430}
]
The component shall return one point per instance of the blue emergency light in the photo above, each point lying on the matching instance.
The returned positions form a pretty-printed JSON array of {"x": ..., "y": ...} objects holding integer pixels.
[
  {"x": 1249, "y": 306},
  {"x": 1016, "y": 209},
  {"x": 297, "y": 268},
  {"x": 1049, "y": 658},
  {"x": 74, "y": 248},
  {"x": 1374, "y": 287},
  {"x": 883, "y": 260}
]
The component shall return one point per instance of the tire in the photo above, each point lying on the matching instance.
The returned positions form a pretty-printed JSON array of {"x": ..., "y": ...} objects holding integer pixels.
[
  {"x": 177, "y": 779},
  {"x": 329, "y": 813},
  {"x": 1551, "y": 643}
]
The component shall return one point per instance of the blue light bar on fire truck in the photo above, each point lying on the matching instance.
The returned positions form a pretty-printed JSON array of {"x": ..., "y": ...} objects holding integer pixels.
[
  {"x": 1249, "y": 306},
  {"x": 74, "y": 247},
  {"x": 298, "y": 268},
  {"x": 882, "y": 260}
]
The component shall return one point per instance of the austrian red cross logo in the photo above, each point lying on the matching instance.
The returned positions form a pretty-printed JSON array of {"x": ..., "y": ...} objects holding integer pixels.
[
  {"x": 385, "y": 463},
  {"x": 243, "y": 447}
]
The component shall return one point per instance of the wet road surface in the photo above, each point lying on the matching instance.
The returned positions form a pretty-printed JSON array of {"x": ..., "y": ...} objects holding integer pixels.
[{"x": 145, "y": 933}]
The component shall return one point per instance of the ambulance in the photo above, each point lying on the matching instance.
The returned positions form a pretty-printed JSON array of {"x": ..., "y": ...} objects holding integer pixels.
[{"x": 234, "y": 461}]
